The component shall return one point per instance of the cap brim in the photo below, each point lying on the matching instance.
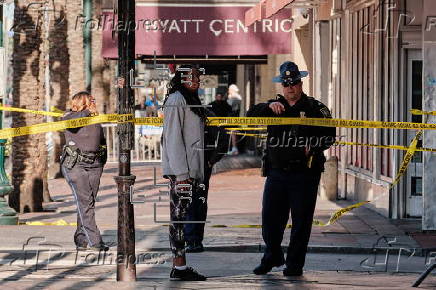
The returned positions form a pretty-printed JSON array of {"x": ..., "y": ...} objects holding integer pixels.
[{"x": 278, "y": 79}]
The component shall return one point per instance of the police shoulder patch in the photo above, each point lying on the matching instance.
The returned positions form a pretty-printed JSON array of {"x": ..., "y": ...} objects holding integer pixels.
[{"x": 325, "y": 112}]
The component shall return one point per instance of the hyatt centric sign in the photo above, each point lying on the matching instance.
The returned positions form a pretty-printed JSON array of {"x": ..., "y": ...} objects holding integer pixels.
[{"x": 197, "y": 31}]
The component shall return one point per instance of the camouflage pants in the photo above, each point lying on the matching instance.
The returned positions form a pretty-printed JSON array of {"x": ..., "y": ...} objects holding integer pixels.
[{"x": 180, "y": 200}]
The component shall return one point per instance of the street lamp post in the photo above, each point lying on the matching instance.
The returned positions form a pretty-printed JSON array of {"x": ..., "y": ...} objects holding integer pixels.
[
  {"x": 126, "y": 268},
  {"x": 8, "y": 216}
]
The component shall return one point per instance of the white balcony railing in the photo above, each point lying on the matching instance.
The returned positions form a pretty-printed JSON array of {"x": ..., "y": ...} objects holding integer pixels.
[{"x": 147, "y": 143}]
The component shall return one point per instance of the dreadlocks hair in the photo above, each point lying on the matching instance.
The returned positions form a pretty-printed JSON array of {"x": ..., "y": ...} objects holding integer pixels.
[{"x": 191, "y": 98}]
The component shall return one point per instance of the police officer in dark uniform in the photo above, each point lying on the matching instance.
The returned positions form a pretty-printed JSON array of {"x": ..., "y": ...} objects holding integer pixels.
[
  {"x": 293, "y": 162},
  {"x": 83, "y": 158}
]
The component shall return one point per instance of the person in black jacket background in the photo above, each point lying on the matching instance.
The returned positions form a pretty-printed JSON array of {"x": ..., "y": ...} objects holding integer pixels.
[
  {"x": 293, "y": 163},
  {"x": 220, "y": 107}
]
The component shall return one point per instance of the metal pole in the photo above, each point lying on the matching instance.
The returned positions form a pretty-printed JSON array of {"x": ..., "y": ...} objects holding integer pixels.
[
  {"x": 87, "y": 42},
  {"x": 126, "y": 268}
]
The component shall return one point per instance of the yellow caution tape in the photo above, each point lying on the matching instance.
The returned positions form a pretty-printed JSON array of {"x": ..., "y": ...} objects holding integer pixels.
[
  {"x": 323, "y": 122},
  {"x": 56, "y": 223},
  {"x": 247, "y": 226},
  {"x": 56, "y": 110},
  {"x": 45, "y": 113},
  {"x": 419, "y": 112},
  {"x": 241, "y": 121},
  {"x": 335, "y": 216},
  {"x": 246, "y": 129},
  {"x": 62, "y": 125},
  {"x": 214, "y": 121},
  {"x": 151, "y": 121},
  {"x": 247, "y": 134},
  {"x": 342, "y": 211},
  {"x": 263, "y": 121},
  {"x": 407, "y": 158},
  {"x": 398, "y": 147},
  {"x": 339, "y": 123}
]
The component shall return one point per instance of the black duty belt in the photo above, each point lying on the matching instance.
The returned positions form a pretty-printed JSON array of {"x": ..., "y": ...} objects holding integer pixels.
[
  {"x": 87, "y": 157},
  {"x": 71, "y": 155}
]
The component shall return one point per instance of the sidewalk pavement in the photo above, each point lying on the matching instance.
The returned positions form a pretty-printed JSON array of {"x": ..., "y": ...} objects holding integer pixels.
[
  {"x": 234, "y": 199},
  {"x": 104, "y": 277},
  {"x": 224, "y": 271}
]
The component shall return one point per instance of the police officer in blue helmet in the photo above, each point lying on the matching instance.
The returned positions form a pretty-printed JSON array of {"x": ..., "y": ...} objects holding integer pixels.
[{"x": 292, "y": 163}]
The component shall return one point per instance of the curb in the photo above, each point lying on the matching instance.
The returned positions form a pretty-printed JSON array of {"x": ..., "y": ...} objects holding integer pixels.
[
  {"x": 421, "y": 252},
  {"x": 407, "y": 251}
]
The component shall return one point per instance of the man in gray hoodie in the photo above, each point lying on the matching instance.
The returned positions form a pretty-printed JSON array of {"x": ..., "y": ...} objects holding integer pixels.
[{"x": 183, "y": 160}]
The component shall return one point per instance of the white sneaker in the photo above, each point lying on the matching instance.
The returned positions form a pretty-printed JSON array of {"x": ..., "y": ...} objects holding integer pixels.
[{"x": 234, "y": 151}]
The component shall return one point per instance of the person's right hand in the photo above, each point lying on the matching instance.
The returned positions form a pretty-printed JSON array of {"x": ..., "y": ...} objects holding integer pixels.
[
  {"x": 92, "y": 108},
  {"x": 277, "y": 107}
]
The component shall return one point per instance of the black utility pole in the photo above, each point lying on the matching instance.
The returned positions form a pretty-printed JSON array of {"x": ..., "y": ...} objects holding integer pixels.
[{"x": 126, "y": 268}]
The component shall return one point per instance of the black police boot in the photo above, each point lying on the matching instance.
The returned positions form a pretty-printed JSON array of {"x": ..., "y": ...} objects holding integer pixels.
[
  {"x": 188, "y": 274},
  {"x": 194, "y": 247},
  {"x": 292, "y": 272},
  {"x": 265, "y": 267}
]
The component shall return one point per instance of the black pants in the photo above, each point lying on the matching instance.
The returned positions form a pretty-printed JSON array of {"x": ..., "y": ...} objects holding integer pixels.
[
  {"x": 197, "y": 211},
  {"x": 180, "y": 200},
  {"x": 286, "y": 191},
  {"x": 84, "y": 183}
]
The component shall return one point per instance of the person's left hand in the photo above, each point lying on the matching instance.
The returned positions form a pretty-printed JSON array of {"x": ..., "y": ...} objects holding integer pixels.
[{"x": 92, "y": 108}]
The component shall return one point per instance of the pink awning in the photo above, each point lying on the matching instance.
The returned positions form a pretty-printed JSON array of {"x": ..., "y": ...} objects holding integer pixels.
[
  {"x": 274, "y": 6},
  {"x": 253, "y": 14},
  {"x": 200, "y": 31}
]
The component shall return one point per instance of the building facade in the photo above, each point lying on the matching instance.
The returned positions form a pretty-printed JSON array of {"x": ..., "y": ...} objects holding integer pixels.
[{"x": 375, "y": 70}]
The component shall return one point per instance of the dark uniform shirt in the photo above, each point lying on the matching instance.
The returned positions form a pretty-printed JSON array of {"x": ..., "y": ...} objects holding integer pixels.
[
  {"x": 286, "y": 144},
  {"x": 88, "y": 138}
]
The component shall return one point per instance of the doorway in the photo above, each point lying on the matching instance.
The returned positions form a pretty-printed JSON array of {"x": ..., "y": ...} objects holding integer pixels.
[{"x": 414, "y": 201}]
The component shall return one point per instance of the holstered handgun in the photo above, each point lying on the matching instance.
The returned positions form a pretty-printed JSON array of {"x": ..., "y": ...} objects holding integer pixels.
[{"x": 69, "y": 156}]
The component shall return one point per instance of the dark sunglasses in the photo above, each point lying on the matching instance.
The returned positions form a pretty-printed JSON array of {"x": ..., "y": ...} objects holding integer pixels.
[{"x": 290, "y": 84}]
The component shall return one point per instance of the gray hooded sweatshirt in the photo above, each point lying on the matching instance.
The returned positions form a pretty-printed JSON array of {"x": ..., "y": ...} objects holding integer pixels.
[{"x": 182, "y": 140}]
